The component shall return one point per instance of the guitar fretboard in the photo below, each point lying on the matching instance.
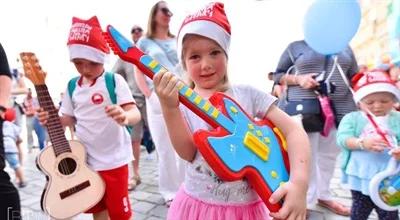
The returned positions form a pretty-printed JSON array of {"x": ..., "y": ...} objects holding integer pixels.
[
  {"x": 54, "y": 126},
  {"x": 185, "y": 92}
]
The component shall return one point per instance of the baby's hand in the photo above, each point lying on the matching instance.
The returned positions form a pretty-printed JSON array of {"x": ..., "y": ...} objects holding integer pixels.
[
  {"x": 375, "y": 144},
  {"x": 43, "y": 116},
  {"x": 294, "y": 206},
  {"x": 396, "y": 153},
  {"x": 117, "y": 113}
]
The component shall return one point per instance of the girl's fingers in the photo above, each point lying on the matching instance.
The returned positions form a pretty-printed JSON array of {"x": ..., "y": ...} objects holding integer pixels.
[
  {"x": 165, "y": 79},
  {"x": 157, "y": 78},
  {"x": 171, "y": 85},
  {"x": 278, "y": 195},
  {"x": 282, "y": 214}
]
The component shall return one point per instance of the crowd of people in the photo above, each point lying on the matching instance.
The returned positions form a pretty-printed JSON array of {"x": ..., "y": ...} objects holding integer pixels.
[{"x": 364, "y": 128}]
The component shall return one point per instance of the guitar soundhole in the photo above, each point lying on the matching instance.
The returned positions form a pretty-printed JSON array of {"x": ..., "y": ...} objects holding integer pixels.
[{"x": 67, "y": 166}]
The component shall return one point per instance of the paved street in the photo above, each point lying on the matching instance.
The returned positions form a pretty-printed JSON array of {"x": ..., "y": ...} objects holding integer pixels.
[{"x": 147, "y": 203}]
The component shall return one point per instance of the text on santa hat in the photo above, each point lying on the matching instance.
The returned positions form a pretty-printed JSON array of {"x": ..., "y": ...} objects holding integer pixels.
[
  {"x": 204, "y": 12},
  {"x": 80, "y": 32}
]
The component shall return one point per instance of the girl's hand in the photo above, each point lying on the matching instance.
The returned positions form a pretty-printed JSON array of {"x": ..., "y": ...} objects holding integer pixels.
[
  {"x": 374, "y": 144},
  {"x": 294, "y": 206},
  {"x": 396, "y": 153},
  {"x": 307, "y": 81},
  {"x": 165, "y": 85},
  {"x": 43, "y": 116},
  {"x": 117, "y": 113}
]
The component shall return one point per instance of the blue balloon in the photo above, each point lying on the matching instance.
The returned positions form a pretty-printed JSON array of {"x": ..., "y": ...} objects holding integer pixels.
[{"x": 329, "y": 25}]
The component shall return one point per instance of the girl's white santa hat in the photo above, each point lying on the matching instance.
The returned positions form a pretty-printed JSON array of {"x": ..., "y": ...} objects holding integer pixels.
[
  {"x": 373, "y": 81},
  {"x": 86, "y": 40},
  {"x": 210, "y": 22}
]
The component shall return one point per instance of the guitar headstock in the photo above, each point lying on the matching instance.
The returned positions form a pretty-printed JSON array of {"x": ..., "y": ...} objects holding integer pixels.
[
  {"x": 117, "y": 42},
  {"x": 33, "y": 70}
]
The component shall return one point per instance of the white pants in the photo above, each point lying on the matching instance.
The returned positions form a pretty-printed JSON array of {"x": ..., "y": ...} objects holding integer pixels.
[
  {"x": 29, "y": 130},
  {"x": 324, "y": 152},
  {"x": 170, "y": 166}
]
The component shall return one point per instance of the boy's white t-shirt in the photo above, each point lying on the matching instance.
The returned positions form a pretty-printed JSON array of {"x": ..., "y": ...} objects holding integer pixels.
[
  {"x": 200, "y": 181},
  {"x": 107, "y": 143}
]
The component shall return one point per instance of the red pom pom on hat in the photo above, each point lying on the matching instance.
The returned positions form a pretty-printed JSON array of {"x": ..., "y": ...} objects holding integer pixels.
[
  {"x": 86, "y": 40},
  {"x": 211, "y": 22},
  {"x": 373, "y": 81}
]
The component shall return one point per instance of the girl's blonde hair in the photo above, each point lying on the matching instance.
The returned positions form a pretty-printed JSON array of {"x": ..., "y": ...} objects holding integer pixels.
[
  {"x": 151, "y": 24},
  {"x": 225, "y": 86}
]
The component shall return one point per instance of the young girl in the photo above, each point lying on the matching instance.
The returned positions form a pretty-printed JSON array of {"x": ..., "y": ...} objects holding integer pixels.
[
  {"x": 203, "y": 44},
  {"x": 364, "y": 151}
]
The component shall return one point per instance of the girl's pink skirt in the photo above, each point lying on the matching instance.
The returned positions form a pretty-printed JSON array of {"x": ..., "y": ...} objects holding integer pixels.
[{"x": 186, "y": 207}]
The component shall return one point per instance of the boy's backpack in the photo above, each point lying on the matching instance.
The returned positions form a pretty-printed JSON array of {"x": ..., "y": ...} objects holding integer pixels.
[{"x": 110, "y": 84}]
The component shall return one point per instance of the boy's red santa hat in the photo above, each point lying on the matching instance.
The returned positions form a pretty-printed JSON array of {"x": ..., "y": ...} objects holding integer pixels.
[
  {"x": 86, "y": 40},
  {"x": 373, "y": 81},
  {"x": 210, "y": 22}
]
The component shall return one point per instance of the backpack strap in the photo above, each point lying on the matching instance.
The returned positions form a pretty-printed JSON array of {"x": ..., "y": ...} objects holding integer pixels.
[
  {"x": 110, "y": 84},
  {"x": 72, "y": 86}
]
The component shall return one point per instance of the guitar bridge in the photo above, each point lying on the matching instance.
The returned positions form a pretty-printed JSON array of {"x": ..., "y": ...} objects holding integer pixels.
[
  {"x": 74, "y": 189},
  {"x": 256, "y": 146}
]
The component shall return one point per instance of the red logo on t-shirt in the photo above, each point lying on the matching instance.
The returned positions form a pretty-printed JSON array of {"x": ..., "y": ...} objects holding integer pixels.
[{"x": 97, "y": 98}]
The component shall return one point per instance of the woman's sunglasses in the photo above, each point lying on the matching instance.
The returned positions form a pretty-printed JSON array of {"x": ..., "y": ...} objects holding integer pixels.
[
  {"x": 166, "y": 12},
  {"x": 136, "y": 31}
]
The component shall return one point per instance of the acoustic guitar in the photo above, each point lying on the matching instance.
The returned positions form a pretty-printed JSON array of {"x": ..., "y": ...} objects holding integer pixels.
[{"x": 72, "y": 187}]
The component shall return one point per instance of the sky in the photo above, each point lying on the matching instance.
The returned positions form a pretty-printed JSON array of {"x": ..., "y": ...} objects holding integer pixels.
[{"x": 261, "y": 30}]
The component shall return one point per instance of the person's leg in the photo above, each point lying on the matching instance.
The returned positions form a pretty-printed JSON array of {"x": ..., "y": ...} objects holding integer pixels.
[
  {"x": 312, "y": 192},
  {"x": 13, "y": 161},
  {"x": 40, "y": 132},
  {"x": 136, "y": 138},
  {"x": 29, "y": 130},
  {"x": 116, "y": 195},
  {"x": 361, "y": 206},
  {"x": 9, "y": 203},
  {"x": 136, "y": 154},
  {"x": 103, "y": 215},
  {"x": 19, "y": 174},
  {"x": 386, "y": 215},
  {"x": 170, "y": 178},
  {"x": 327, "y": 155}
]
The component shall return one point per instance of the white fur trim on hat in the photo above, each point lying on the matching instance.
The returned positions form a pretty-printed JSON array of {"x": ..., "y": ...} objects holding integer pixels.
[
  {"x": 207, "y": 29},
  {"x": 376, "y": 87},
  {"x": 86, "y": 52}
]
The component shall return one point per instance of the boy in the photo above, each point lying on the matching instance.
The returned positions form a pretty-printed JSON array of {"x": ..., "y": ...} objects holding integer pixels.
[{"x": 100, "y": 125}]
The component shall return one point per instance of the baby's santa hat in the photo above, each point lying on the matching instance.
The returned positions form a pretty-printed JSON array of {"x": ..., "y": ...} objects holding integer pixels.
[
  {"x": 373, "y": 81},
  {"x": 10, "y": 114},
  {"x": 210, "y": 22},
  {"x": 86, "y": 40}
]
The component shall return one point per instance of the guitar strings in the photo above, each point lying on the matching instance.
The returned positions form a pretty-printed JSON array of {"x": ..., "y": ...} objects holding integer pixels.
[{"x": 64, "y": 165}]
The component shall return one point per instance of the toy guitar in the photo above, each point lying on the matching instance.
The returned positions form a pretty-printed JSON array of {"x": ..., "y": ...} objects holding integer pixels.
[
  {"x": 72, "y": 187},
  {"x": 384, "y": 188},
  {"x": 239, "y": 147}
]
